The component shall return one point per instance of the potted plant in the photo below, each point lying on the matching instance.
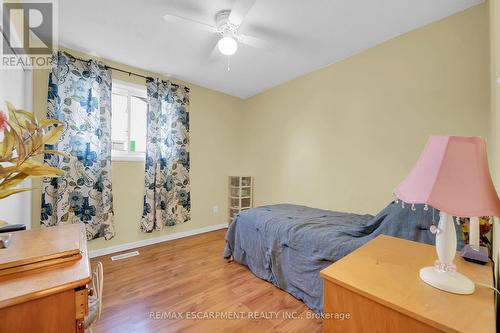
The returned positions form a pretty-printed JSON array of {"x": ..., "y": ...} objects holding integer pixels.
[{"x": 24, "y": 139}]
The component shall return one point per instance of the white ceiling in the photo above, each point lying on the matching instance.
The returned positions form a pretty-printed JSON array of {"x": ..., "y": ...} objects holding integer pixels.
[{"x": 309, "y": 34}]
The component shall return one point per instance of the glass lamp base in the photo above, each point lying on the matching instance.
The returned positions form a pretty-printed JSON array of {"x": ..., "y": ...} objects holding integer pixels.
[{"x": 449, "y": 281}]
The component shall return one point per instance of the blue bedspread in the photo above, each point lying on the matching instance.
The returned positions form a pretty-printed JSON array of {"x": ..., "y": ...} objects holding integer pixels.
[{"x": 289, "y": 245}]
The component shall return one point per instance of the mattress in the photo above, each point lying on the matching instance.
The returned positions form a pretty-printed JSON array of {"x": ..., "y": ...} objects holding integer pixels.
[{"x": 288, "y": 245}]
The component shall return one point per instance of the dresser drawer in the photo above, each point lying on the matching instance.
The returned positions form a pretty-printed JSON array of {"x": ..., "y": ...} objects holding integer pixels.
[
  {"x": 49, "y": 314},
  {"x": 379, "y": 289},
  {"x": 363, "y": 312}
]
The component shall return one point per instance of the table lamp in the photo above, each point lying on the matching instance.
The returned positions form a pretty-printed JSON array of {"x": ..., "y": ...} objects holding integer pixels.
[{"x": 451, "y": 175}]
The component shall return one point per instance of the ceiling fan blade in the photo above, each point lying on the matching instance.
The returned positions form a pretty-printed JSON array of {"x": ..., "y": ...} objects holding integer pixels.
[
  {"x": 182, "y": 20},
  {"x": 215, "y": 54},
  {"x": 255, "y": 42},
  {"x": 240, "y": 10}
]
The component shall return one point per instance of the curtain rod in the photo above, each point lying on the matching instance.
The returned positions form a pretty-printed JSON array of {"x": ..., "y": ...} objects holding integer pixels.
[{"x": 121, "y": 70}]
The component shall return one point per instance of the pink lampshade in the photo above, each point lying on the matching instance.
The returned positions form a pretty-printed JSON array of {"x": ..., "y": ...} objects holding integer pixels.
[{"x": 452, "y": 175}]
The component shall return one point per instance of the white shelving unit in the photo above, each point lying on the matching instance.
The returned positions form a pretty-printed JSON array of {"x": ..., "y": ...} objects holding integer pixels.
[{"x": 240, "y": 194}]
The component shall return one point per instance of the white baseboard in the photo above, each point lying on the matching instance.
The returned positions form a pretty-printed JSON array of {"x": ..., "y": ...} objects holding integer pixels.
[{"x": 155, "y": 240}]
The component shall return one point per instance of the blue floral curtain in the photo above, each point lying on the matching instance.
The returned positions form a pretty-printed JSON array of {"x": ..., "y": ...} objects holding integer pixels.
[
  {"x": 166, "y": 198},
  {"x": 80, "y": 96}
]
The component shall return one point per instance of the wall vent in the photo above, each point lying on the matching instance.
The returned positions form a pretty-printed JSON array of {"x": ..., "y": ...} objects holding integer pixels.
[{"x": 125, "y": 255}]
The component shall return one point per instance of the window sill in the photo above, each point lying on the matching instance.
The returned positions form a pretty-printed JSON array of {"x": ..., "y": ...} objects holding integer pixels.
[{"x": 128, "y": 157}]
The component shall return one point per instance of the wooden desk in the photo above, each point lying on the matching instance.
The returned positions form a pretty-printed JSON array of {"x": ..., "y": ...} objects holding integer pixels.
[
  {"x": 379, "y": 286},
  {"x": 44, "y": 291}
]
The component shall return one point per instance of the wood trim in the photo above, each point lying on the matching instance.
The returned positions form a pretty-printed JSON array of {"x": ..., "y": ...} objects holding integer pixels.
[
  {"x": 40, "y": 264},
  {"x": 40, "y": 261},
  {"x": 44, "y": 293},
  {"x": 155, "y": 240},
  {"x": 41, "y": 245}
]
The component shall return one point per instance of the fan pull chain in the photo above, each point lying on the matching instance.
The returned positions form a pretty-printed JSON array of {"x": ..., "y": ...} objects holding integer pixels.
[{"x": 228, "y": 63}]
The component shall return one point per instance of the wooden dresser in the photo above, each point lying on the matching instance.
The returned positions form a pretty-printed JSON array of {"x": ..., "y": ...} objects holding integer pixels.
[
  {"x": 378, "y": 286},
  {"x": 43, "y": 281}
]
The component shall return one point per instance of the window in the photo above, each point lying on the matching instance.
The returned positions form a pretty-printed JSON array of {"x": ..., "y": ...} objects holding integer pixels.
[{"x": 128, "y": 123}]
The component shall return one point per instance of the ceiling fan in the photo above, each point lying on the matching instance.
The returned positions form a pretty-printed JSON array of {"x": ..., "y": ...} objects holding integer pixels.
[{"x": 227, "y": 24}]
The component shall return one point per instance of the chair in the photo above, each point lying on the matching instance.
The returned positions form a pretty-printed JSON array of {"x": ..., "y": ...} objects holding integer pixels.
[{"x": 95, "y": 299}]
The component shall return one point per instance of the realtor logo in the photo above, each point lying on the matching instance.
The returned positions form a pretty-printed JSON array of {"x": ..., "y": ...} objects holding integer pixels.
[{"x": 29, "y": 34}]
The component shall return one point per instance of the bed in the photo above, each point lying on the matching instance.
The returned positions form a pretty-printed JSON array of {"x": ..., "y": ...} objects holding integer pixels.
[{"x": 288, "y": 245}]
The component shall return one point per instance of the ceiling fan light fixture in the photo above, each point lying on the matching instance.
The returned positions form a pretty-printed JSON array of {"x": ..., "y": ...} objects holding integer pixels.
[{"x": 227, "y": 45}]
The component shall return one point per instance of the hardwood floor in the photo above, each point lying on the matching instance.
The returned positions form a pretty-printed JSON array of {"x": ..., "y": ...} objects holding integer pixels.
[{"x": 189, "y": 277}]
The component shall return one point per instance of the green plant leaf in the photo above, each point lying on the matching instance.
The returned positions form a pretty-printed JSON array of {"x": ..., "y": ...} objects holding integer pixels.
[
  {"x": 9, "y": 140},
  {"x": 53, "y": 135},
  {"x": 30, "y": 162},
  {"x": 18, "y": 118},
  {"x": 11, "y": 191},
  {"x": 50, "y": 122},
  {"x": 20, "y": 149},
  {"x": 33, "y": 167},
  {"x": 40, "y": 170},
  {"x": 14, "y": 181},
  {"x": 4, "y": 171}
]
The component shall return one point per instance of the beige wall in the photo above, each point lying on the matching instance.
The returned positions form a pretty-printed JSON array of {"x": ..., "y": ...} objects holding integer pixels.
[
  {"x": 494, "y": 21},
  {"x": 343, "y": 137},
  {"x": 339, "y": 138},
  {"x": 214, "y": 130}
]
